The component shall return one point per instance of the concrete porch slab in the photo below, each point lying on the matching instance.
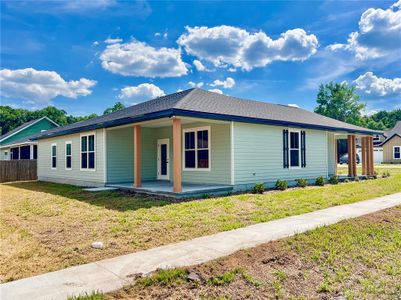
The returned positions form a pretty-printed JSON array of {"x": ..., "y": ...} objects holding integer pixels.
[{"x": 165, "y": 188}]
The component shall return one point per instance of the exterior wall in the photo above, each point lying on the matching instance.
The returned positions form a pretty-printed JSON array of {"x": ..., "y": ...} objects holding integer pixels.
[
  {"x": 75, "y": 175},
  {"x": 3, "y": 152},
  {"x": 258, "y": 155},
  {"x": 331, "y": 153},
  {"x": 388, "y": 150},
  {"x": 120, "y": 154},
  {"x": 34, "y": 129},
  {"x": 120, "y": 149}
]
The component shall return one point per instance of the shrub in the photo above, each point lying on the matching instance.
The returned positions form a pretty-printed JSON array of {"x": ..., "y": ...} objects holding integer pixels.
[
  {"x": 320, "y": 181},
  {"x": 302, "y": 182},
  {"x": 333, "y": 179},
  {"x": 281, "y": 185},
  {"x": 386, "y": 174},
  {"x": 259, "y": 188},
  {"x": 346, "y": 180},
  {"x": 356, "y": 178}
]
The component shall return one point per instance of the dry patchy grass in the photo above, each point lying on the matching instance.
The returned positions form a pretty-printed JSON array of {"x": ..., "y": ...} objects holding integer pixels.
[{"x": 46, "y": 226}]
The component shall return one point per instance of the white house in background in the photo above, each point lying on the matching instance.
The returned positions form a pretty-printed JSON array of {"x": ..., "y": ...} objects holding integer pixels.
[{"x": 378, "y": 139}]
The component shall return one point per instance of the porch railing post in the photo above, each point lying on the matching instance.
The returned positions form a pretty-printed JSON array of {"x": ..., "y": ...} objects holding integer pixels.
[
  {"x": 177, "y": 155},
  {"x": 137, "y": 155},
  {"x": 351, "y": 156}
]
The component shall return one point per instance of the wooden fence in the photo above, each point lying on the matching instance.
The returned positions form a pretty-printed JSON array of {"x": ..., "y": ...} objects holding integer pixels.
[{"x": 18, "y": 170}]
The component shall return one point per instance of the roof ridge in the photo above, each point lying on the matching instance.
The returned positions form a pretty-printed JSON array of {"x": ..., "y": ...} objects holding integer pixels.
[{"x": 190, "y": 91}]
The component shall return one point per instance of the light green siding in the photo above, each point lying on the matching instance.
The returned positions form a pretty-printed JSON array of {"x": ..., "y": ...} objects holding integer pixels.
[
  {"x": 75, "y": 175},
  {"x": 258, "y": 155},
  {"x": 331, "y": 148},
  {"x": 120, "y": 154},
  {"x": 43, "y": 124}
]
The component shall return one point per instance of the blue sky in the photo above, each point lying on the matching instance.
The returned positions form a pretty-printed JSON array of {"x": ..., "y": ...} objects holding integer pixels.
[{"x": 85, "y": 56}]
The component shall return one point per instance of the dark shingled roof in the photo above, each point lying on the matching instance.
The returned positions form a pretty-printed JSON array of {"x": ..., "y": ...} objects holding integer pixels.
[{"x": 205, "y": 104}]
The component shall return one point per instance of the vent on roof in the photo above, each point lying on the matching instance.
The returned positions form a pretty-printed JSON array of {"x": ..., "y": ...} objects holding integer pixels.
[{"x": 293, "y": 105}]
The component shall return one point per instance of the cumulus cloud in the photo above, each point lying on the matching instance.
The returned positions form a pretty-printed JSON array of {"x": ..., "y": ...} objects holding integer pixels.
[
  {"x": 142, "y": 92},
  {"x": 216, "y": 91},
  {"x": 379, "y": 34},
  {"x": 199, "y": 66},
  {"x": 113, "y": 41},
  {"x": 139, "y": 59},
  {"x": 228, "y": 83},
  {"x": 228, "y": 46},
  {"x": 378, "y": 86},
  {"x": 41, "y": 87},
  {"x": 195, "y": 85}
]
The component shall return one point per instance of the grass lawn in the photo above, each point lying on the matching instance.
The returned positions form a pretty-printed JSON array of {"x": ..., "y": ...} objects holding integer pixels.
[
  {"x": 356, "y": 259},
  {"x": 46, "y": 226}
]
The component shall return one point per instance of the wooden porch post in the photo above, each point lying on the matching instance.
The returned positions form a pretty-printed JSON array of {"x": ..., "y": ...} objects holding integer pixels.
[
  {"x": 351, "y": 156},
  {"x": 371, "y": 159},
  {"x": 137, "y": 155},
  {"x": 177, "y": 155},
  {"x": 364, "y": 156}
]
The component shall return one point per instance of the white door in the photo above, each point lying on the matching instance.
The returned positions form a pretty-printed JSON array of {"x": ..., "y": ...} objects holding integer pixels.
[{"x": 163, "y": 157}]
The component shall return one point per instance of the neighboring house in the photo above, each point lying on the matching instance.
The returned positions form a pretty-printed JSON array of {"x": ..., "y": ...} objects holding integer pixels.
[
  {"x": 392, "y": 145},
  {"x": 378, "y": 139},
  {"x": 194, "y": 137},
  {"x": 18, "y": 144}
]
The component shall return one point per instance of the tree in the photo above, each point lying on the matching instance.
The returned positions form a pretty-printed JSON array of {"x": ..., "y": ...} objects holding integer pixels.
[
  {"x": 339, "y": 101},
  {"x": 116, "y": 107}
]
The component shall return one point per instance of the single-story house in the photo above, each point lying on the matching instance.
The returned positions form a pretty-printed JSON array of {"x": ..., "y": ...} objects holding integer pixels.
[
  {"x": 198, "y": 141},
  {"x": 392, "y": 145},
  {"x": 19, "y": 144}
]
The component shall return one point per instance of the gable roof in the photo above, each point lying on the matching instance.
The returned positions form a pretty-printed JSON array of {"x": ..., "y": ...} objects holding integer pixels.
[
  {"x": 23, "y": 127},
  {"x": 396, "y": 130},
  {"x": 205, "y": 104}
]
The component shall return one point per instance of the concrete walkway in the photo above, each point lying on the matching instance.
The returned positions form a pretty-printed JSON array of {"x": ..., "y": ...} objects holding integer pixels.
[{"x": 111, "y": 274}]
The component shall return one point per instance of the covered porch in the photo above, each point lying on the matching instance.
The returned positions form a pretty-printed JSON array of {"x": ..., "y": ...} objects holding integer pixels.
[
  {"x": 365, "y": 142},
  {"x": 179, "y": 157}
]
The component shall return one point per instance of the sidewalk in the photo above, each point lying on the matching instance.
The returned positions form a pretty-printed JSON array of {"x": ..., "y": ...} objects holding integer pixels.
[{"x": 111, "y": 274}]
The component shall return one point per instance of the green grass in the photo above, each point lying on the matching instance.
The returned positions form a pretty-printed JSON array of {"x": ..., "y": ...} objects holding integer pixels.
[
  {"x": 88, "y": 296},
  {"x": 357, "y": 258},
  {"x": 164, "y": 277},
  {"x": 48, "y": 226}
]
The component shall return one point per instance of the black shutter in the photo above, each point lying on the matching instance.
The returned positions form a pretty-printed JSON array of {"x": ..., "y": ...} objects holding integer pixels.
[
  {"x": 303, "y": 149},
  {"x": 285, "y": 148}
]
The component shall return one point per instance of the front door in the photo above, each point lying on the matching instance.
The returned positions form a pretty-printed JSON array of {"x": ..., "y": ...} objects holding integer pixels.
[{"x": 163, "y": 159}]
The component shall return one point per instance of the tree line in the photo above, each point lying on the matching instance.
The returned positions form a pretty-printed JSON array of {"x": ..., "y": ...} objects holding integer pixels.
[{"x": 334, "y": 100}]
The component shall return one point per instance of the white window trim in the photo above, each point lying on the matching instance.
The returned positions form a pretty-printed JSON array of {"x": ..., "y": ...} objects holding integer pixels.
[
  {"x": 399, "y": 147},
  {"x": 80, "y": 151},
  {"x": 51, "y": 156},
  {"x": 289, "y": 149},
  {"x": 68, "y": 143},
  {"x": 196, "y": 129}
]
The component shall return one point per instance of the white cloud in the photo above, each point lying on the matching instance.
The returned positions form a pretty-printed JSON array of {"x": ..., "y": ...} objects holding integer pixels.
[
  {"x": 228, "y": 83},
  {"x": 139, "y": 59},
  {"x": 195, "y": 85},
  {"x": 142, "y": 92},
  {"x": 379, "y": 34},
  {"x": 41, "y": 87},
  {"x": 165, "y": 35},
  {"x": 378, "y": 86},
  {"x": 113, "y": 41},
  {"x": 217, "y": 91},
  {"x": 157, "y": 34},
  {"x": 228, "y": 46},
  {"x": 199, "y": 66},
  {"x": 95, "y": 43}
]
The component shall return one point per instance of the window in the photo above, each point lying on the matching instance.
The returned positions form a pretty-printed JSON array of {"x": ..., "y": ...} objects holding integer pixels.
[
  {"x": 68, "y": 155},
  {"x": 294, "y": 149},
  {"x": 54, "y": 156},
  {"x": 197, "y": 149},
  {"x": 397, "y": 152},
  {"x": 14, "y": 153},
  {"x": 88, "y": 152}
]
